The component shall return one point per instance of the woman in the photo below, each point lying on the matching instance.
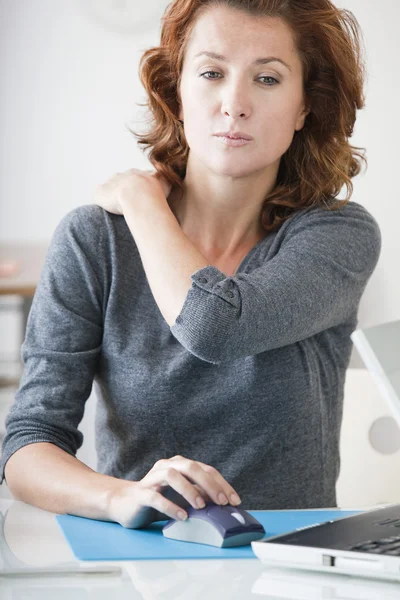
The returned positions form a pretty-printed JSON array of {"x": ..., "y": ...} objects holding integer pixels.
[{"x": 212, "y": 301}]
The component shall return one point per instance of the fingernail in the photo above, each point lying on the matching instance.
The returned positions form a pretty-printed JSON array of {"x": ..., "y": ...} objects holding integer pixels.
[
  {"x": 235, "y": 499},
  {"x": 222, "y": 498},
  {"x": 200, "y": 502},
  {"x": 181, "y": 515}
]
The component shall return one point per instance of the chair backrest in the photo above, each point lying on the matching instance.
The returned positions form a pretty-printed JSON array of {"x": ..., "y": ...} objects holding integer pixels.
[{"x": 379, "y": 348}]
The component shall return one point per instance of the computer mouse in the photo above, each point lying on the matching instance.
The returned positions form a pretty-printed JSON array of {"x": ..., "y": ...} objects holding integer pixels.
[{"x": 215, "y": 525}]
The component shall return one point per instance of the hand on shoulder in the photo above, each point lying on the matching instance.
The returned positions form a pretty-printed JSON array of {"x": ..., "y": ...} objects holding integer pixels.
[{"x": 130, "y": 186}]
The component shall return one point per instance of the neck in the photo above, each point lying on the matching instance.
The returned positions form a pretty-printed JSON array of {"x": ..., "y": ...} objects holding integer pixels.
[{"x": 221, "y": 215}]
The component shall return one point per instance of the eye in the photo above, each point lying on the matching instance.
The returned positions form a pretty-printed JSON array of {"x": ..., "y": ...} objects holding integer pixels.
[
  {"x": 216, "y": 73},
  {"x": 208, "y": 72},
  {"x": 267, "y": 77}
]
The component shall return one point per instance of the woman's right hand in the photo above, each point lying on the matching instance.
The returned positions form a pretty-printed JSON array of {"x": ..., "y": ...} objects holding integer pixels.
[{"x": 171, "y": 485}]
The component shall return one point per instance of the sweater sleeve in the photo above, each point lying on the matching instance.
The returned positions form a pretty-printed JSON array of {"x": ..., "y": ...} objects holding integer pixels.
[
  {"x": 62, "y": 341},
  {"x": 313, "y": 282}
]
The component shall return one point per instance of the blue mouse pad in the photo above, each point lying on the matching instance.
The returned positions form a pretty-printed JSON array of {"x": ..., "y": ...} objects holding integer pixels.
[{"x": 101, "y": 540}]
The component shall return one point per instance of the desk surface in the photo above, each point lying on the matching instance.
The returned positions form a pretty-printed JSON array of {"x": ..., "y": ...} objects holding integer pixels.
[
  {"x": 30, "y": 537},
  {"x": 29, "y": 259}
]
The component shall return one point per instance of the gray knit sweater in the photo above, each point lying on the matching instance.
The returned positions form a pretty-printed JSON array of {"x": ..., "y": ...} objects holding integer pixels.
[{"x": 249, "y": 379}]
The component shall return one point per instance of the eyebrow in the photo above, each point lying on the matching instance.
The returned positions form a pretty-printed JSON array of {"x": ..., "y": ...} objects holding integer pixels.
[{"x": 258, "y": 61}]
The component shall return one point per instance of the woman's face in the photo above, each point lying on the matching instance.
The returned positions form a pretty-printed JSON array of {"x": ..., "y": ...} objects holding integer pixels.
[{"x": 263, "y": 100}]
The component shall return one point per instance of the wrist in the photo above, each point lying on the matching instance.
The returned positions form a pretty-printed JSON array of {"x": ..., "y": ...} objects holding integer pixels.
[
  {"x": 143, "y": 202},
  {"x": 118, "y": 489},
  {"x": 145, "y": 212}
]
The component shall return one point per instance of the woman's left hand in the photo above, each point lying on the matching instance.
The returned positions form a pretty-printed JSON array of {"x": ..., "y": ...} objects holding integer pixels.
[{"x": 128, "y": 186}]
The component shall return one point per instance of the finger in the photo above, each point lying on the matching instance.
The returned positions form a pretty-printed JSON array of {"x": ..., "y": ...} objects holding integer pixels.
[
  {"x": 210, "y": 479},
  {"x": 148, "y": 497},
  {"x": 165, "y": 474},
  {"x": 160, "y": 177},
  {"x": 101, "y": 191},
  {"x": 195, "y": 473},
  {"x": 202, "y": 492},
  {"x": 228, "y": 490}
]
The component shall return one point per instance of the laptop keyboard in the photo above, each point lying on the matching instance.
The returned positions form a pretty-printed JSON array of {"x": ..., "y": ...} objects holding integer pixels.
[{"x": 389, "y": 546}]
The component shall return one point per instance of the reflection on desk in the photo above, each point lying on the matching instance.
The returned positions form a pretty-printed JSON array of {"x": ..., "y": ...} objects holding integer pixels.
[
  {"x": 297, "y": 585},
  {"x": 85, "y": 587},
  {"x": 30, "y": 537}
]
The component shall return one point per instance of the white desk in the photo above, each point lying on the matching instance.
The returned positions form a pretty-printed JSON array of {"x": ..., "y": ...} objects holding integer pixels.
[{"x": 30, "y": 537}]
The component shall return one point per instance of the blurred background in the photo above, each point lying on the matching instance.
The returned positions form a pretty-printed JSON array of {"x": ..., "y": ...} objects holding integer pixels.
[{"x": 69, "y": 91}]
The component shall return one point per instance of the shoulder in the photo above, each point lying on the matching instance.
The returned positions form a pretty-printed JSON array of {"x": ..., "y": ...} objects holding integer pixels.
[
  {"x": 352, "y": 212},
  {"x": 91, "y": 226},
  {"x": 84, "y": 237},
  {"x": 86, "y": 218},
  {"x": 352, "y": 218},
  {"x": 348, "y": 233}
]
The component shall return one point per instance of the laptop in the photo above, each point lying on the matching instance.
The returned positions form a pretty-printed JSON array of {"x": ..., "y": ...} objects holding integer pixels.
[{"x": 365, "y": 544}]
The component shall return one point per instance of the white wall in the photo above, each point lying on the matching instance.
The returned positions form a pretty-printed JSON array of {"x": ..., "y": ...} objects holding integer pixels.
[{"x": 70, "y": 85}]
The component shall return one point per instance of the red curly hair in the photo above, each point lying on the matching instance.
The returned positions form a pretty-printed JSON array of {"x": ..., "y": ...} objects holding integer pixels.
[{"x": 320, "y": 159}]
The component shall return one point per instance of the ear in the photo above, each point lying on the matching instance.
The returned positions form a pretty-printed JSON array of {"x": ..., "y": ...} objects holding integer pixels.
[
  {"x": 179, "y": 98},
  {"x": 301, "y": 118}
]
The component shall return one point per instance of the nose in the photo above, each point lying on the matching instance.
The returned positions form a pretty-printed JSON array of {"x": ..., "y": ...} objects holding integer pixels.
[{"x": 236, "y": 102}]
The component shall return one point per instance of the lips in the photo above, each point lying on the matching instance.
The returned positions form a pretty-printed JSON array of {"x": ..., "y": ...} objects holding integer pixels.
[
  {"x": 238, "y": 135},
  {"x": 232, "y": 142}
]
